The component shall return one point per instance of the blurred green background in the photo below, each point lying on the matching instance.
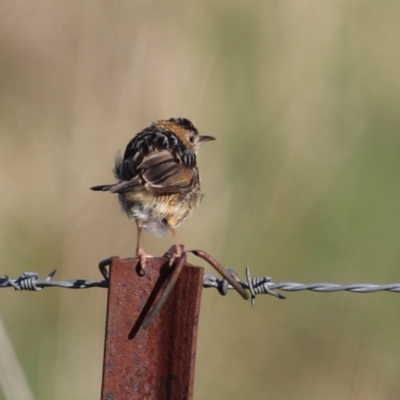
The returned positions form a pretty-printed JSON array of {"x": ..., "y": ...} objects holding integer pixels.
[{"x": 302, "y": 183}]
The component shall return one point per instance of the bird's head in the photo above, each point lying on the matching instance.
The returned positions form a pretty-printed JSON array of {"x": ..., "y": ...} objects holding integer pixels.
[{"x": 186, "y": 132}]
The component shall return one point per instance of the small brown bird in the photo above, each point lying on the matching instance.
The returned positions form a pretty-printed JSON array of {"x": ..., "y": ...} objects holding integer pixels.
[{"x": 158, "y": 179}]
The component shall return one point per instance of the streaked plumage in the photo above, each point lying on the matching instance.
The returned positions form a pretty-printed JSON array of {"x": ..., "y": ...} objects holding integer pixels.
[{"x": 158, "y": 179}]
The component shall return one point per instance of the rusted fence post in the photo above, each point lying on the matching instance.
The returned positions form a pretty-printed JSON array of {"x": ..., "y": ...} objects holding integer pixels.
[{"x": 156, "y": 363}]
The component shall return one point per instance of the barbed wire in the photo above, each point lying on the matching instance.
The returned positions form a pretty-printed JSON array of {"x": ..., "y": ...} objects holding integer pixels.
[
  {"x": 256, "y": 285},
  {"x": 31, "y": 281},
  {"x": 265, "y": 285}
]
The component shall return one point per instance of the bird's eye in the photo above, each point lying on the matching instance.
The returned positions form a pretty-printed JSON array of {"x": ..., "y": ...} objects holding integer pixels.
[{"x": 191, "y": 139}]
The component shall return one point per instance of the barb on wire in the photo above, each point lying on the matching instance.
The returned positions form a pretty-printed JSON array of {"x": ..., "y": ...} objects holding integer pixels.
[
  {"x": 255, "y": 285},
  {"x": 31, "y": 281},
  {"x": 265, "y": 285}
]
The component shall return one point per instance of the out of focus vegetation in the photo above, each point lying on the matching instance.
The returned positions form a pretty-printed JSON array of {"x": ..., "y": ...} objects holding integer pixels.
[{"x": 302, "y": 184}]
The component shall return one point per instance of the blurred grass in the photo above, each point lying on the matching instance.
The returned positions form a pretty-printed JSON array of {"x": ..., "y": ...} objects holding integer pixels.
[{"x": 302, "y": 184}]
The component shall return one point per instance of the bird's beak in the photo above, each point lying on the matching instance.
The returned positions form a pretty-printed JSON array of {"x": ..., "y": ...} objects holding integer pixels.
[{"x": 206, "y": 138}]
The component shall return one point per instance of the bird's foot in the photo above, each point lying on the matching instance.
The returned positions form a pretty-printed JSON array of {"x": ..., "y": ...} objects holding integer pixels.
[
  {"x": 174, "y": 254},
  {"x": 142, "y": 256}
]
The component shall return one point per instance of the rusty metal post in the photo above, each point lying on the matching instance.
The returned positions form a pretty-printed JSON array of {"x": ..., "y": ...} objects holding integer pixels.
[{"x": 156, "y": 363}]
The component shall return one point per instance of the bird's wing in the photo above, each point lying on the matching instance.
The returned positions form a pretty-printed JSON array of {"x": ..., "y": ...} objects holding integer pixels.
[{"x": 161, "y": 173}]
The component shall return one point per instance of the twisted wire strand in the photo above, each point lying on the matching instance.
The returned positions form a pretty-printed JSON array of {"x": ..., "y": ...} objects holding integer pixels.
[
  {"x": 256, "y": 285},
  {"x": 31, "y": 281},
  {"x": 265, "y": 285}
]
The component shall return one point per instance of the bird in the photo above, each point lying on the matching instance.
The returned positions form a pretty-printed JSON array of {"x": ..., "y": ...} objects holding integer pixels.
[{"x": 158, "y": 180}]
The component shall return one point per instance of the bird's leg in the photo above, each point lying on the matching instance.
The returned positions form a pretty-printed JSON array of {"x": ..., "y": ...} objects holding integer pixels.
[
  {"x": 140, "y": 253},
  {"x": 178, "y": 249}
]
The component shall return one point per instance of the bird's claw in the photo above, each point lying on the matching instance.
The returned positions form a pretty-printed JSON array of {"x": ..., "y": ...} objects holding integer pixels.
[
  {"x": 174, "y": 254},
  {"x": 142, "y": 256}
]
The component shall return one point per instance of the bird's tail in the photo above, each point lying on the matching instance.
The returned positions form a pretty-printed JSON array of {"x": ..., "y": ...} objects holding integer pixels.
[
  {"x": 102, "y": 188},
  {"x": 120, "y": 187}
]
